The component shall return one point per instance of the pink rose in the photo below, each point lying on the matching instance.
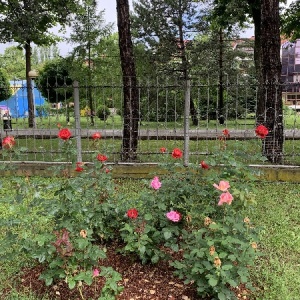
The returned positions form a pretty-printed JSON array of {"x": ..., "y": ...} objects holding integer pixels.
[
  {"x": 95, "y": 273},
  {"x": 223, "y": 186},
  {"x": 8, "y": 142},
  {"x": 173, "y": 216},
  {"x": 155, "y": 183},
  {"x": 225, "y": 198}
]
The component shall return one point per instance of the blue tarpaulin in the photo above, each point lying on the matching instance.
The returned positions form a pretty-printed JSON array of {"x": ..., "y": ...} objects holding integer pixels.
[{"x": 18, "y": 102}]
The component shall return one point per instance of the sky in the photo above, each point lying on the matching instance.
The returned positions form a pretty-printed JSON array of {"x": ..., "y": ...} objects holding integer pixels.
[{"x": 110, "y": 15}]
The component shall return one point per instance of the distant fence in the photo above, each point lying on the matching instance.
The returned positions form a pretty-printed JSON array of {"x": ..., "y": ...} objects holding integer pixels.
[{"x": 166, "y": 120}]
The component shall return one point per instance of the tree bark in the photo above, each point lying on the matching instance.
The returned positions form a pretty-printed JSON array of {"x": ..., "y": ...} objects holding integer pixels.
[
  {"x": 269, "y": 112},
  {"x": 31, "y": 119},
  {"x": 130, "y": 90}
]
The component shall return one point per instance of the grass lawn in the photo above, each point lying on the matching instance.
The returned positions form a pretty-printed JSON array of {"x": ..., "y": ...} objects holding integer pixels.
[{"x": 276, "y": 275}]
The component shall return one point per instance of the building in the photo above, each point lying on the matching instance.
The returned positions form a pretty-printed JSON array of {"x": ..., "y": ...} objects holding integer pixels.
[{"x": 290, "y": 75}]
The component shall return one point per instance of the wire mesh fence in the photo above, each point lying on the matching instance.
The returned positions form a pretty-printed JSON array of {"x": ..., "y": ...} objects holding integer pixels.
[{"x": 163, "y": 123}]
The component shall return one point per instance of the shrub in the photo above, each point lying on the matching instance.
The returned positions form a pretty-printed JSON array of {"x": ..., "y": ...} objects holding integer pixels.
[{"x": 103, "y": 112}]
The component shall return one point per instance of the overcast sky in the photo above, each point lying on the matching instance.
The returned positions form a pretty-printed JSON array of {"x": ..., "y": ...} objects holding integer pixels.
[{"x": 111, "y": 16}]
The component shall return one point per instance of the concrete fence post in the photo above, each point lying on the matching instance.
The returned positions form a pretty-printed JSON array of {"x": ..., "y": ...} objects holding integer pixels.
[
  {"x": 77, "y": 120},
  {"x": 187, "y": 101}
]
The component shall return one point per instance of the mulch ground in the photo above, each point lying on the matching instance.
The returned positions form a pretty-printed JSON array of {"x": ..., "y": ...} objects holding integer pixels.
[{"x": 144, "y": 282}]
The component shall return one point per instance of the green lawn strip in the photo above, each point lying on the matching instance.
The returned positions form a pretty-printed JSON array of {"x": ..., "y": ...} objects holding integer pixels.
[{"x": 277, "y": 273}]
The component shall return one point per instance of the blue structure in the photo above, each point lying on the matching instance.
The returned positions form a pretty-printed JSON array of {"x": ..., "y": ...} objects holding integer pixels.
[{"x": 18, "y": 102}]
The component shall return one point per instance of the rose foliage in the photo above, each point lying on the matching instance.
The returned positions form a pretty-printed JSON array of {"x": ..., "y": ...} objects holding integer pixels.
[{"x": 196, "y": 218}]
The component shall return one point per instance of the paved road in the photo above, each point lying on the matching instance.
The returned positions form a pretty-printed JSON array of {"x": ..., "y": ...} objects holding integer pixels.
[{"x": 145, "y": 133}]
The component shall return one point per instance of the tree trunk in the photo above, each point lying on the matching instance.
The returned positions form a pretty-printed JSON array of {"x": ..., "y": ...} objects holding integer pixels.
[
  {"x": 270, "y": 98},
  {"x": 31, "y": 119},
  {"x": 130, "y": 90}
]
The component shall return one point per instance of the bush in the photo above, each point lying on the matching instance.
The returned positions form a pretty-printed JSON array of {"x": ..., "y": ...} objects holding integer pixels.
[{"x": 103, "y": 112}]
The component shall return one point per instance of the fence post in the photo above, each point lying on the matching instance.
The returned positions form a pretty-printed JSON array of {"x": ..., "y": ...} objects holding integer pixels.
[
  {"x": 187, "y": 100},
  {"x": 77, "y": 121}
]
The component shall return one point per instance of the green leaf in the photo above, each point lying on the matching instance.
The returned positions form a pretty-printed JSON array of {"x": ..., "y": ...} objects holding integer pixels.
[
  {"x": 175, "y": 247},
  {"x": 212, "y": 281},
  {"x": 82, "y": 243},
  {"x": 48, "y": 281},
  {"x": 167, "y": 234},
  {"x": 221, "y": 296},
  {"x": 148, "y": 217},
  {"x": 71, "y": 283},
  {"x": 222, "y": 254},
  {"x": 227, "y": 267},
  {"x": 142, "y": 249}
]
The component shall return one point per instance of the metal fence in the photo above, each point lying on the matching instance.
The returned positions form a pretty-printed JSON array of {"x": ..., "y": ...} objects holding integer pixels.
[{"x": 166, "y": 120}]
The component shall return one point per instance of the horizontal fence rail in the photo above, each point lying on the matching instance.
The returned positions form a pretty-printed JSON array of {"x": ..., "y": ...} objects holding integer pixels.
[{"x": 162, "y": 122}]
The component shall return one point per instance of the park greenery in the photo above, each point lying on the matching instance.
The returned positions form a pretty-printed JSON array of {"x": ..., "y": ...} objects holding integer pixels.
[
  {"x": 217, "y": 217},
  {"x": 164, "y": 39}
]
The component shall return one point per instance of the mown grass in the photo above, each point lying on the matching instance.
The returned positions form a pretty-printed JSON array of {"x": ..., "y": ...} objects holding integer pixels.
[{"x": 276, "y": 274}]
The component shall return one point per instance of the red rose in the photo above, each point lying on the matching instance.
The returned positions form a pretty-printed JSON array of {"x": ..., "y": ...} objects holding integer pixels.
[
  {"x": 226, "y": 133},
  {"x": 96, "y": 136},
  {"x": 8, "y": 142},
  {"x": 64, "y": 134},
  {"x": 204, "y": 165},
  {"x": 101, "y": 157},
  {"x": 163, "y": 149},
  {"x": 79, "y": 167},
  {"x": 176, "y": 153},
  {"x": 132, "y": 213},
  {"x": 261, "y": 131}
]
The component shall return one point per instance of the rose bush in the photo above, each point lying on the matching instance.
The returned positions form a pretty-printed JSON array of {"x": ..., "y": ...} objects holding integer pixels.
[{"x": 199, "y": 211}]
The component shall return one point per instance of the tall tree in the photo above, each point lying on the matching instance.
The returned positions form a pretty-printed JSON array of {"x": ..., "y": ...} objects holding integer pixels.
[
  {"x": 266, "y": 18},
  {"x": 5, "y": 90},
  {"x": 13, "y": 61},
  {"x": 87, "y": 30},
  {"x": 28, "y": 21},
  {"x": 130, "y": 90},
  {"x": 270, "y": 105},
  {"x": 168, "y": 28},
  {"x": 291, "y": 21}
]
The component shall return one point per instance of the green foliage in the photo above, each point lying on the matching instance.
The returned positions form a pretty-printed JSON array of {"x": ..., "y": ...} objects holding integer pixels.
[
  {"x": 111, "y": 288},
  {"x": 290, "y": 21},
  {"x": 5, "y": 90},
  {"x": 54, "y": 80},
  {"x": 103, "y": 112},
  {"x": 88, "y": 29},
  {"x": 13, "y": 61},
  {"x": 78, "y": 218},
  {"x": 217, "y": 240},
  {"x": 30, "y": 22}
]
